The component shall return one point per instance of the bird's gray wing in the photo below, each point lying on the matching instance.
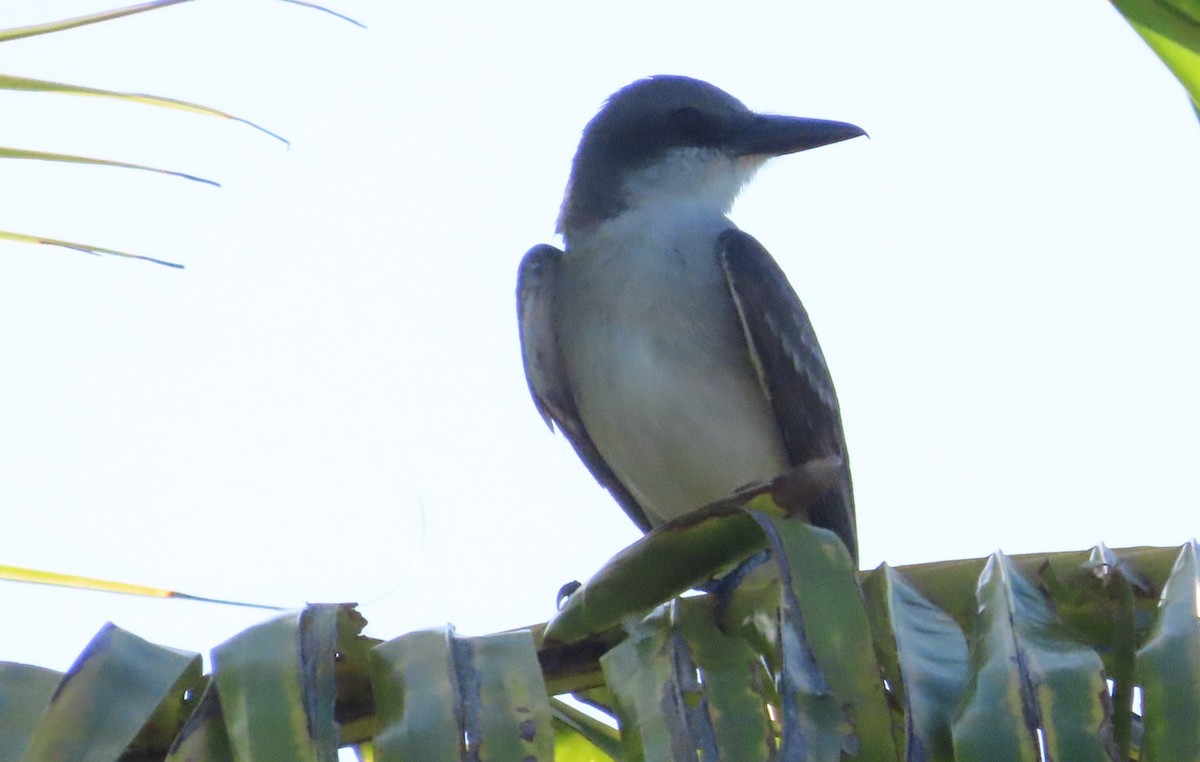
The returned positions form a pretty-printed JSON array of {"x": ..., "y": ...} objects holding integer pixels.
[
  {"x": 792, "y": 371},
  {"x": 547, "y": 379}
]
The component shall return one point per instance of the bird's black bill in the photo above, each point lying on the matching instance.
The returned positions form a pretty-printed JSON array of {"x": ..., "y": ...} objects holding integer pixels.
[{"x": 779, "y": 135}]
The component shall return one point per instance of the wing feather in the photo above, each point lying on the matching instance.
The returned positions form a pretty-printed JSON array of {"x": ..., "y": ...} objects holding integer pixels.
[
  {"x": 548, "y": 382},
  {"x": 791, "y": 367}
]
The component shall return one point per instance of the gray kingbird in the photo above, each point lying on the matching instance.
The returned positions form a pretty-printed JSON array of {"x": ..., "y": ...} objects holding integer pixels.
[{"x": 666, "y": 344}]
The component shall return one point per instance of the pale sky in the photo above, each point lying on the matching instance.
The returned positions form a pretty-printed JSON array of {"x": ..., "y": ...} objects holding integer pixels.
[{"x": 328, "y": 403}]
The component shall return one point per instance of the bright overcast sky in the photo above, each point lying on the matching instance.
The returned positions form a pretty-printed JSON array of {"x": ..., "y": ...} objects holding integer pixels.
[{"x": 328, "y": 403}]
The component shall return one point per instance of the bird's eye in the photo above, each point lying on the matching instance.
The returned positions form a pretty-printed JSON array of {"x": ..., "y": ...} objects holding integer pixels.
[
  {"x": 686, "y": 119},
  {"x": 688, "y": 125}
]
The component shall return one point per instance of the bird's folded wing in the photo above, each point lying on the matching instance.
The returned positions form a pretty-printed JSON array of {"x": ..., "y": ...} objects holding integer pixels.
[
  {"x": 548, "y": 382},
  {"x": 791, "y": 369}
]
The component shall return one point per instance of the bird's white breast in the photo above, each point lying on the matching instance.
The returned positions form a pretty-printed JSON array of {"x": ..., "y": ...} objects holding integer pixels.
[{"x": 657, "y": 361}]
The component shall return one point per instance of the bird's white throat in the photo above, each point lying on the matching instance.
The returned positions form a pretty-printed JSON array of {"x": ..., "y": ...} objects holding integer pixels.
[{"x": 706, "y": 177}]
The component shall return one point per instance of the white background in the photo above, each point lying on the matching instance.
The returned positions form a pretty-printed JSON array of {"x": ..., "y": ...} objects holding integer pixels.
[{"x": 328, "y": 403}]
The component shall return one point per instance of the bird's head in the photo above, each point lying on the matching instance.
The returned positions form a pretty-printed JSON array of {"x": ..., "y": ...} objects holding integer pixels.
[{"x": 677, "y": 138}]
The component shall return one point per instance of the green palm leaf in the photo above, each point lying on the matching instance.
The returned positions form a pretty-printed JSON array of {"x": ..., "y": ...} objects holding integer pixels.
[{"x": 1172, "y": 30}]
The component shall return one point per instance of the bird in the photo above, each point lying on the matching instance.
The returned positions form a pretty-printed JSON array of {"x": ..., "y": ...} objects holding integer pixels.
[{"x": 666, "y": 344}]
